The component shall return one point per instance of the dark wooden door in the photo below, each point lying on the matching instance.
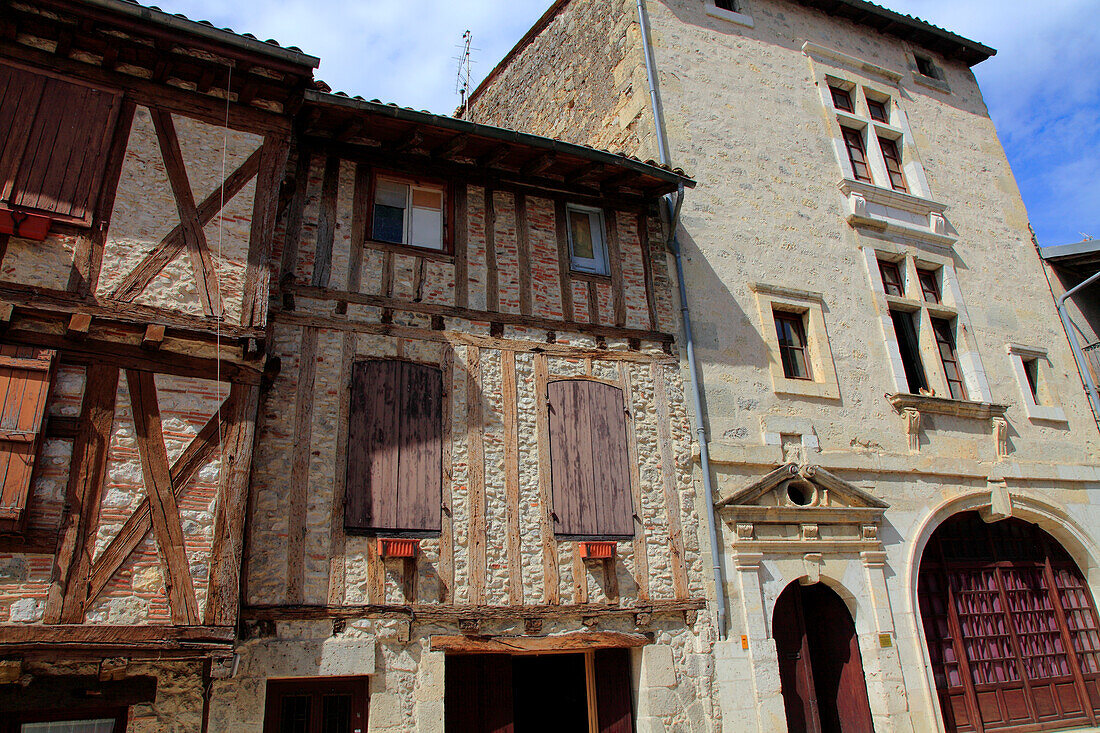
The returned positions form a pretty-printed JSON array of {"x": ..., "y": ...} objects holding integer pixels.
[
  {"x": 478, "y": 696},
  {"x": 820, "y": 668}
]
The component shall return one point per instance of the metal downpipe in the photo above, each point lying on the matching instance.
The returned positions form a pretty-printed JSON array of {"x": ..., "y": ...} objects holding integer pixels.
[
  {"x": 685, "y": 314},
  {"x": 1075, "y": 345}
]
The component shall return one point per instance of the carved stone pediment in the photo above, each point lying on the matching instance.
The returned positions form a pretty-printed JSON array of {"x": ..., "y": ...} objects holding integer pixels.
[{"x": 795, "y": 506}]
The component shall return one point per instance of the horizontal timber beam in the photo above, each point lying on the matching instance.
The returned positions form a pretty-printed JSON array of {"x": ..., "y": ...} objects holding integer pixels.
[
  {"x": 571, "y": 642},
  {"x": 436, "y": 612}
]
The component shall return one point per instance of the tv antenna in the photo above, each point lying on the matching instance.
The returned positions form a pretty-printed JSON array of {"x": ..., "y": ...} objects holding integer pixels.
[{"x": 462, "y": 81}]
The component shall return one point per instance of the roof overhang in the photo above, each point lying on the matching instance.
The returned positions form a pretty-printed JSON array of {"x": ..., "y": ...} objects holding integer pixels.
[{"x": 1083, "y": 257}]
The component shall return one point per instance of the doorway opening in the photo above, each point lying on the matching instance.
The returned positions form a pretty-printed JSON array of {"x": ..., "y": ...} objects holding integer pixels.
[
  {"x": 820, "y": 668},
  {"x": 539, "y": 693}
]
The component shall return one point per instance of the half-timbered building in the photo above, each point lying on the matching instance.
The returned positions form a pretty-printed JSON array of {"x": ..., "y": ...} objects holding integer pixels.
[
  {"x": 140, "y": 162},
  {"x": 472, "y": 489}
]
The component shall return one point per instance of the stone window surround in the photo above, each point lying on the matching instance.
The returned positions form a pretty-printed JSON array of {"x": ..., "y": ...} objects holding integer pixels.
[
  {"x": 932, "y": 82},
  {"x": 1050, "y": 409},
  {"x": 771, "y": 298},
  {"x": 877, "y": 206},
  {"x": 739, "y": 17},
  {"x": 951, "y": 307}
]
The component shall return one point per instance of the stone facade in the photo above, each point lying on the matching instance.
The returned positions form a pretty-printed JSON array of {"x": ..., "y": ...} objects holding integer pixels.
[{"x": 746, "y": 107}]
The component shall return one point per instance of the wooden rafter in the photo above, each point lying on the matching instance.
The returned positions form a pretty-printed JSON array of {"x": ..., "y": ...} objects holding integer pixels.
[
  {"x": 206, "y": 278},
  {"x": 164, "y": 511},
  {"x": 137, "y": 280}
]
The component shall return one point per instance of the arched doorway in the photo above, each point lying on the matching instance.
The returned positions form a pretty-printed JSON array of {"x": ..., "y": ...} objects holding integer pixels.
[
  {"x": 820, "y": 667},
  {"x": 1011, "y": 628}
]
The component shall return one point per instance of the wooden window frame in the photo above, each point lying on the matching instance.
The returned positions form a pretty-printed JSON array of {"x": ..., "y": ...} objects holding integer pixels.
[
  {"x": 316, "y": 687},
  {"x": 944, "y": 331},
  {"x": 880, "y": 106},
  {"x": 916, "y": 377},
  {"x": 886, "y": 266},
  {"x": 929, "y": 285},
  {"x": 18, "y": 720},
  {"x": 602, "y": 262},
  {"x": 797, "y": 323},
  {"x": 891, "y": 158},
  {"x": 842, "y": 99},
  {"x": 366, "y": 525},
  {"x": 13, "y": 517},
  {"x": 853, "y": 143},
  {"x": 446, "y": 186}
]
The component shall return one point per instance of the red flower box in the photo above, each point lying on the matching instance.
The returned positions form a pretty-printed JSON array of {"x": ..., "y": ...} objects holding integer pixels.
[
  {"x": 389, "y": 547},
  {"x": 26, "y": 226},
  {"x": 597, "y": 550}
]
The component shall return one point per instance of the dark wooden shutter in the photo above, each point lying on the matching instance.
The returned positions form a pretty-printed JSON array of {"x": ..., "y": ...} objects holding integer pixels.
[
  {"x": 613, "y": 696},
  {"x": 55, "y": 136},
  {"x": 395, "y": 449},
  {"x": 478, "y": 694},
  {"x": 590, "y": 466},
  {"x": 25, "y": 373}
]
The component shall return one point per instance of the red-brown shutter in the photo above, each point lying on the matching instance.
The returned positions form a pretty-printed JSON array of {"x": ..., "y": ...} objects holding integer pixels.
[
  {"x": 55, "y": 136},
  {"x": 478, "y": 694},
  {"x": 25, "y": 373},
  {"x": 613, "y": 696},
  {"x": 590, "y": 467},
  {"x": 395, "y": 450}
]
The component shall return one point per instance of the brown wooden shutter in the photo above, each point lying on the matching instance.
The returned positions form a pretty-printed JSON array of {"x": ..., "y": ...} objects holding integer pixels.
[
  {"x": 395, "y": 449},
  {"x": 25, "y": 373},
  {"x": 478, "y": 694},
  {"x": 613, "y": 696},
  {"x": 55, "y": 136},
  {"x": 590, "y": 468}
]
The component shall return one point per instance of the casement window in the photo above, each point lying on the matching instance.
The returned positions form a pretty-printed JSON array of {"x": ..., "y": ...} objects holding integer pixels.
[
  {"x": 842, "y": 100},
  {"x": 944, "y": 331},
  {"x": 587, "y": 243},
  {"x": 55, "y": 135},
  {"x": 892, "y": 158},
  {"x": 395, "y": 449},
  {"x": 906, "y": 333},
  {"x": 891, "y": 278},
  {"x": 791, "y": 332},
  {"x": 929, "y": 285},
  {"x": 317, "y": 705},
  {"x": 857, "y": 154},
  {"x": 877, "y": 110},
  {"x": 25, "y": 374},
  {"x": 589, "y": 460},
  {"x": 410, "y": 212}
]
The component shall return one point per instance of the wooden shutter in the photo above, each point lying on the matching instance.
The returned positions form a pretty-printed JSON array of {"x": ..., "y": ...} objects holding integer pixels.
[
  {"x": 395, "y": 449},
  {"x": 613, "y": 696},
  {"x": 590, "y": 469},
  {"x": 478, "y": 694},
  {"x": 25, "y": 373},
  {"x": 55, "y": 136}
]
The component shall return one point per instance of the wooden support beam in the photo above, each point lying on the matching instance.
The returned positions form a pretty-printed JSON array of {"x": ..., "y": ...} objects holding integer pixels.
[
  {"x": 452, "y": 147},
  {"x": 326, "y": 223},
  {"x": 72, "y": 693},
  {"x": 79, "y": 324},
  {"x": 411, "y": 140},
  {"x": 475, "y": 462},
  {"x": 337, "y": 537},
  {"x": 648, "y": 269},
  {"x": 614, "y": 254},
  {"x": 257, "y": 275},
  {"x": 113, "y": 636},
  {"x": 510, "y": 403},
  {"x": 641, "y": 556},
  {"x": 538, "y": 165},
  {"x": 459, "y": 240},
  {"x": 295, "y": 211},
  {"x": 523, "y": 252},
  {"x": 494, "y": 157},
  {"x": 298, "y": 489},
  {"x": 573, "y": 642},
  {"x": 492, "y": 275},
  {"x": 446, "y": 568},
  {"x": 583, "y": 174},
  {"x": 551, "y": 580},
  {"x": 153, "y": 338}
]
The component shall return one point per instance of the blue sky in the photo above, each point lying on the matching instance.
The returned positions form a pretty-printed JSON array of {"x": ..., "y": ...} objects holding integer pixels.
[{"x": 1042, "y": 88}]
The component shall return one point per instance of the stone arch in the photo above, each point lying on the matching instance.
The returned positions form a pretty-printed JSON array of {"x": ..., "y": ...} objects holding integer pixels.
[
  {"x": 1051, "y": 518},
  {"x": 861, "y": 615}
]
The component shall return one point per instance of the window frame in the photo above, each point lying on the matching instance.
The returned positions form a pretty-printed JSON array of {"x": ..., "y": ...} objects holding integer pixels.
[
  {"x": 601, "y": 219},
  {"x": 835, "y": 91},
  {"x": 916, "y": 376},
  {"x": 356, "y": 686},
  {"x": 18, "y": 720},
  {"x": 796, "y": 322},
  {"x": 738, "y": 15},
  {"x": 873, "y": 104},
  {"x": 890, "y": 265},
  {"x": 853, "y": 141},
  {"x": 447, "y": 189},
  {"x": 944, "y": 330},
  {"x": 929, "y": 281},
  {"x": 773, "y": 300},
  {"x": 1043, "y": 404},
  {"x": 891, "y": 154}
]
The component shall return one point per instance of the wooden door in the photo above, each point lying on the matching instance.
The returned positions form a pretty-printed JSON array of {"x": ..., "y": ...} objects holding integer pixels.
[
  {"x": 820, "y": 668},
  {"x": 478, "y": 696}
]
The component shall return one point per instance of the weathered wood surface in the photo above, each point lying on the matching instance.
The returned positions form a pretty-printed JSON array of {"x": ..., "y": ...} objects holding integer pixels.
[
  {"x": 299, "y": 469},
  {"x": 634, "y": 480},
  {"x": 113, "y": 635},
  {"x": 476, "y": 476},
  {"x": 257, "y": 277},
  {"x": 577, "y": 641},
  {"x": 510, "y": 400},
  {"x": 326, "y": 223},
  {"x": 446, "y": 567},
  {"x": 523, "y": 250},
  {"x": 295, "y": 211},
  {"x": 551, "y": 579},
  {"x": 459, "y": 246},
  {"x": 668, "y": 482},
  {"x": 615, "y": 261},
  {"x": 565, "y": 282},
  {"x": 492, "y": 299},
  {"x": 337, "y": 536},
  {"x": 647, "y": 268}
]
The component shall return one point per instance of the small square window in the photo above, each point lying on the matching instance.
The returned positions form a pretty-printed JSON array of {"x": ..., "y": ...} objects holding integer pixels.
[
  {"x": 790, "y": 329},
  {"x": 408, "y": 212},
  {"x": 926, "y": 66},
  {"x": 842, "y": 100},
  {"x": 929, "y": 285},
  {"x": 877, "y": 110},
  {"x": 587, "y": 246},
  {"x": 891, "y": 278}
]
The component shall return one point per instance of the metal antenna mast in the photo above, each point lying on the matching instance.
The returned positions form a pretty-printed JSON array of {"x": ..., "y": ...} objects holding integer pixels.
[{"x": 462, "y": 81}]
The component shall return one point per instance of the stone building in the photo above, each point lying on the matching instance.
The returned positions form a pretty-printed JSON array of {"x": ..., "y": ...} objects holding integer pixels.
[
  {"x": 137, "y": 206},
  {"x": 904, "y": 464}
]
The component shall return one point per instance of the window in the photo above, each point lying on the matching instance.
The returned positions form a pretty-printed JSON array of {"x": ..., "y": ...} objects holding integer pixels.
[
  {"x": 26, "y": 386},
  {"x": 792, "y": 345},
  {"x": 68, "y": 721},
  {"x": 1032, "y": 368},
  {"x": 589, "y": 463},
  {"x": 316, "y": 705},
  {"x": 877, "y": 110},
  {"x": 728, "y": 5},
  {"x": 906, "y": 333},
  {"x": 54, "y": 141},
  {"x": 892, "y": 158},
  {"x": 891, "y": 278},
  {"x": 945, "y": 342},
  {"x": 395, "y": 454},
  {"x": 857, "y": 156},
  {"x": 587, "y": 246},
  {"x": 842, "y": 99},
  {"x": 929, "y": 285},
  {"x": 1031, "y": 371},
  {"x": 926, "y": 66},
  {"x": 408, "y": 212}
]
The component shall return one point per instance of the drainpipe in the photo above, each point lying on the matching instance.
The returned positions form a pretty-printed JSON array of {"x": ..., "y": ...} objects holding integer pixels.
[
  {"x": 685, "y": 313},
  {"x": 1090, "y": 386}
]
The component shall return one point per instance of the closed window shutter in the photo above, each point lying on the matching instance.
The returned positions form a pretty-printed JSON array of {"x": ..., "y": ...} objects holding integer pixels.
[
  {"x": 56, "y": 138},
  {"x": 613, "y": 705},
  {"x": 395, "y": 449},
  {"x": 590, "y": 468},
  {"x": 25, "y": 373}
]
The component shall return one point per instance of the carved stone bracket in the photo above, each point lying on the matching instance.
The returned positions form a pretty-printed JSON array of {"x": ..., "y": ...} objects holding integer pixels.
[
  {"x": 810, "y": 532},
  {"x": 912, "y": 427},
  {"x": 812, "y": 562},
  {"x": 745, "y": 530},
  {"x": 1000, "y": 436}
]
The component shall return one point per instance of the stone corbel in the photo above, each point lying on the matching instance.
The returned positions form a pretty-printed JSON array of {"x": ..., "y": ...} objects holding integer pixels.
[
  {"x": 937, "y": 223},
  {"x": 1000, "y": 501},
  {"x": 858, "y": 204},
  {"x": 912, "y": 427},
  {"x": 869, "y": 532},
  {"x": 812, "y": 562},
  {"x": 1000, "y": 436},
  {"x": 810, "y": 532},
  {"x": 745, "y": 530}
]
